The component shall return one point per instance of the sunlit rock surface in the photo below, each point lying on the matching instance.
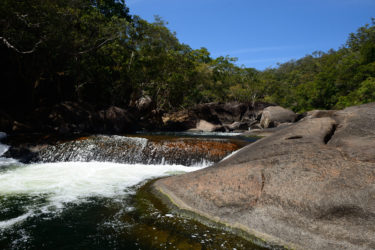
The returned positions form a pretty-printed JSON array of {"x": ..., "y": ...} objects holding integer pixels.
[{"x": 308, "y": 186}]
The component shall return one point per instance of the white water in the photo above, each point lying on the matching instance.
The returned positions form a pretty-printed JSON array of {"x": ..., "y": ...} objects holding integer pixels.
[
  {"x": 70, "y": 181},
  {"x": 67, "y": 182},
  {"x": 3, "y": 149}
]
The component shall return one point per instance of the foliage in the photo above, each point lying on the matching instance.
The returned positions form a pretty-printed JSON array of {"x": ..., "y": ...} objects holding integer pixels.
[{"x": 94, "y": 51}]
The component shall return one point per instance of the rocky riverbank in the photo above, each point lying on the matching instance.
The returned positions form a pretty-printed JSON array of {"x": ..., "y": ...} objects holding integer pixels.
[
  {"x": 309, "y": 185},
  {"x": 72, "y": 117}
]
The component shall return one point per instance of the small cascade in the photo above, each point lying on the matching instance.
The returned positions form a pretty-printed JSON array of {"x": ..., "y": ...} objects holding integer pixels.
[
  {"x": 3, "y": 149},
  {"x": 138, "y": 150},
  {"x": 95, "y": 148}
]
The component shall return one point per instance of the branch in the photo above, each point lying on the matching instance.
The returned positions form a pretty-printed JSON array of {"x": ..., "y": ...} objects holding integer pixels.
[
  {"x": 24, "y": 20},
  {"x": 98, "y": 46},
  {"x": 10, "y": 46}
]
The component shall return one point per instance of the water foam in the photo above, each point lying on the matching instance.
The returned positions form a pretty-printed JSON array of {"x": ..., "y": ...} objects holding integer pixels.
[
  {"x": 11, "y": 222},
  {"x": 3, "y": 149},
  {"x": 66, "y": 182},
  {"x": 69, "y": 181}
]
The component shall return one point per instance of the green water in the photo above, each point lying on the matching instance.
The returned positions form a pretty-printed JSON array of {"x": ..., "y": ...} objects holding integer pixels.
[{"x": 132, "y": 221}]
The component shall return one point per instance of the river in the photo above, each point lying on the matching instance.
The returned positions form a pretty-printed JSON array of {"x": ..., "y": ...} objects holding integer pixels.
[{"x": 93, "y": 193}]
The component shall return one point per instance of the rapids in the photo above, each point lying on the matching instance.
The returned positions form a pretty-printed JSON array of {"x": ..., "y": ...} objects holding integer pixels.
[{"x": 85, "y": 194}]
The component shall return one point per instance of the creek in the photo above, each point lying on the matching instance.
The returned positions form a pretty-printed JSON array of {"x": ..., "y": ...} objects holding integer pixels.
[{"x": 93, "y": 193}]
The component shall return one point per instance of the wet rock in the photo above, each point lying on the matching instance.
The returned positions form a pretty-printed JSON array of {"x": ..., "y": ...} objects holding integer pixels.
[
  {"x": 273, "y": 116},
  {"x": 307, "y": 186},
  {"x": 22, "y": 154},
  {"x": 182, "y": 151}
]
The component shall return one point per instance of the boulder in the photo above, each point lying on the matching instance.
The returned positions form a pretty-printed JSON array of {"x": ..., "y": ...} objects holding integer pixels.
[
  {"x": 206, "y": 126},
  {"x": 143, "y": 104},
  {"x": 179, "y": 121},
  {"x": 318, "y": 114},
  {"x": 216, "y": 113},
  {"x": 227, "y": 113},
  {"x": 237, "y": 126},
  {"x": 275, "y": 115},
  {"x": 115, "y": 119},
  {"x": 310, "y": 185}
]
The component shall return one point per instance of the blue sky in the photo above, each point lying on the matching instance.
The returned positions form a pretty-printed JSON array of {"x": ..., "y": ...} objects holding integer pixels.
[{"x": 259, "y": 33}]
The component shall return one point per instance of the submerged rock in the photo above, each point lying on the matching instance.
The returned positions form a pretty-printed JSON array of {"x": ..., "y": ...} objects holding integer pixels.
[{"x": 307, "y": 186}]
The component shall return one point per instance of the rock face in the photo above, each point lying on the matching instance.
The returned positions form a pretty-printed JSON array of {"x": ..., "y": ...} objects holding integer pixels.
[
  {"x": 273, "y": 116},
  {"x": 310, "y": 185}
]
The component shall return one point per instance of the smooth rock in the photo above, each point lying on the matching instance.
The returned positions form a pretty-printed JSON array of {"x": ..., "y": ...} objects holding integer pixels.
[
  {"x": 308, "y": 186},
  {"x": 206, "y": 126},
  {"x": 275, "y": 115}
]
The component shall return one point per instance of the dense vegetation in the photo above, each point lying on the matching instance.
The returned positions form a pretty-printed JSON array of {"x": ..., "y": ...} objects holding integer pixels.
[{"x": 94, "y": 51}]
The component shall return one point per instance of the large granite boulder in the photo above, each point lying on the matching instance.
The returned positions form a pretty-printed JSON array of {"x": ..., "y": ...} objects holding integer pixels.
[
  {"x": 206, "y": 126},
  {"x": 310, "y": 185},
  {"x": 275, "y": 115}
]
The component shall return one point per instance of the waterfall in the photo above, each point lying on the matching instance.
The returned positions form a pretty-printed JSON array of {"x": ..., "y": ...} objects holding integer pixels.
[{"x": 137, "y": 150}]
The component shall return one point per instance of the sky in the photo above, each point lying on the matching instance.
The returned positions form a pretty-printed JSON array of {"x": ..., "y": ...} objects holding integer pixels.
[{"x": 260, "y": 33}]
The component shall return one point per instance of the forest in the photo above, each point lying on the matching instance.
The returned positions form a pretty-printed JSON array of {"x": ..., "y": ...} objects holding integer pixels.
[{"x": 94, "y": 51}]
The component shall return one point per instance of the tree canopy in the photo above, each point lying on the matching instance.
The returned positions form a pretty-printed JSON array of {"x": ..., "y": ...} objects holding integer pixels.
[{"x": 95, "y": 51}]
